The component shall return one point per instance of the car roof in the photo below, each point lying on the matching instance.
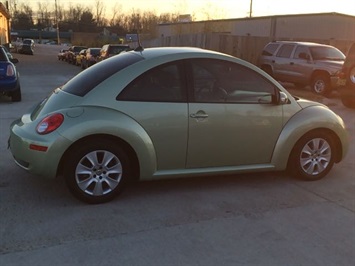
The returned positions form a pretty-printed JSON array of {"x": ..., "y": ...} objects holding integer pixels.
[
  {"x": 183, "y": 52},
  {"x": 302, "y": 43}
]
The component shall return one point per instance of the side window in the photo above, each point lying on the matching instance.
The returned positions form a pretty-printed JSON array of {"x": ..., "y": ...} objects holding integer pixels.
[
  {"x": 301, "y": 52},
  {"x": 270, "y": 49},
  {"x": 285, "y": 51},
  {"x": 216, "y": 81},
  {"x": 160, "y": 84}
]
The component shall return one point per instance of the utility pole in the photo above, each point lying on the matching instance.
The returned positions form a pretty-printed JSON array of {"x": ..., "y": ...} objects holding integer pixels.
[
  {"x": 56, "y": 18},
  {"x": 251, "y": 9}
]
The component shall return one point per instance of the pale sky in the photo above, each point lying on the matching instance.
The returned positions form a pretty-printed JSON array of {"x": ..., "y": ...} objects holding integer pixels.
[{"x": 216, "y": 8}]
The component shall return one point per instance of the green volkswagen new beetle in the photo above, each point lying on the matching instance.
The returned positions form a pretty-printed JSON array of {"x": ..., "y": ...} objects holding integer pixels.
[{"x": 173, "y": 112}]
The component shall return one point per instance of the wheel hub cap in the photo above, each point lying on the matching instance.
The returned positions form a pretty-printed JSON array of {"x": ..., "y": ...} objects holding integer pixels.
[
  {"x": 315, "y": 156},
  {"x": 98, "y": 173}
]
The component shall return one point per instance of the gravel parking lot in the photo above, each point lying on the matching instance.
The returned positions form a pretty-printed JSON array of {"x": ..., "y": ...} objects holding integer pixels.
[{"x": 254, "y": 219}]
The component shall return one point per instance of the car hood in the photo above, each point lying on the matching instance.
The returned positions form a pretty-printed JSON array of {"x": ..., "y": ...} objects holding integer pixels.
[
  {"x": 307, "y": 103},
  {"x": 331, "y": 64}
]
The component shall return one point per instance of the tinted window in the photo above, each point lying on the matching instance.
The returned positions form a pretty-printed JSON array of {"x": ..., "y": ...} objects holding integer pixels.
[
  {"x": 90, "y": 78},
  {"x": 301, "y": 52},
  {"x": 160, "y": 84},
  {"x": 217, "y": 81},
  {"x": 285, "y": 50},
  {"x": 118, "y": 49},
  {"x": 270, "y": 49},
  {"x": 323, "y": 53}
]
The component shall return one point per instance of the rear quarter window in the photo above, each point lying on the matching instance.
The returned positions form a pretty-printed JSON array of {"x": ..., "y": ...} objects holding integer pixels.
[
  {"x": 270, "y": 49},
  {"x": 90, "y": 78}
]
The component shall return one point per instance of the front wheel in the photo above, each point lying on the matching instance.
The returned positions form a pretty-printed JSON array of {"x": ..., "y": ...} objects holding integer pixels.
[
  {"x": 96, "y": 171},
  {"x": 313, "y": 156}
]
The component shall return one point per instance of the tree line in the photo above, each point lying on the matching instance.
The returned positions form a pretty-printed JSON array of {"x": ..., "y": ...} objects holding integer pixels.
[{"x": 79, "y": 18}]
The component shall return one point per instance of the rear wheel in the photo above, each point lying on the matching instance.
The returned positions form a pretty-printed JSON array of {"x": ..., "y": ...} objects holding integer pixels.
[
  {"x": 313, "y": 156},
  {"x": 321, "y": 84},
  {"x": 96, "y": 171}
]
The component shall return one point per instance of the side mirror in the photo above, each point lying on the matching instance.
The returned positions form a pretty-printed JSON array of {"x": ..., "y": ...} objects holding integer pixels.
[{"x": 283, "y": 98}]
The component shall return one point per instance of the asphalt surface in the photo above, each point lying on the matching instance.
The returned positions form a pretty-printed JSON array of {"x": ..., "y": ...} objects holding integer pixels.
[{"x": 258, "y": 219}]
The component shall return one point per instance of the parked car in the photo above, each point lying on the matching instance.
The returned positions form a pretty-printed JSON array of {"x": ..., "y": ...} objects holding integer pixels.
[
  {"x": 79, "y": 57},
  {"x": 303, "y": 63},
  {"x": 73, "y": 51},
  {"x": 109, "y": 50},
  {"x": 62, "y": 53},
  {"x": 9, "y": 76},
  {"x": 173, "y": 112},
  {"x": 347, "y": 79},
  {"x": 90, "y": 58},
  {"x": 26, "y": 47},
  {"x": 29, "y": 42}
]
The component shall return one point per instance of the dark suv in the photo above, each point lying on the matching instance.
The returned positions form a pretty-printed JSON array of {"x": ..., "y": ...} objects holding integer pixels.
[
  {"x": 303, "y": 63},
  {"x": 347, "y": 79},
  {"x": 109, "y": 50}
]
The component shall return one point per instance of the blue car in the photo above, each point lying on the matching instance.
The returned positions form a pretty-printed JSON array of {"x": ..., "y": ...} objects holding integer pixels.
[{"x": 9, "y": 76}]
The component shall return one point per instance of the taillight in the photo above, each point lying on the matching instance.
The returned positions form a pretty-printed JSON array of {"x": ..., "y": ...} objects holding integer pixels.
[
  {"x": 10, "y": 70},
  {"x": 49, "y": 124}
]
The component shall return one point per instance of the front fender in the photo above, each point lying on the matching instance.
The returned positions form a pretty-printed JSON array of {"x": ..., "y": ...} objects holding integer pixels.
[
  {"x": 306, "y": 120},
  {"x": 90, "y": 121}
]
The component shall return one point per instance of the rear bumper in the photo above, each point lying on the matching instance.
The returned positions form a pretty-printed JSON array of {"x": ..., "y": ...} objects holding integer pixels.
[{"x": 8, "y": 85}]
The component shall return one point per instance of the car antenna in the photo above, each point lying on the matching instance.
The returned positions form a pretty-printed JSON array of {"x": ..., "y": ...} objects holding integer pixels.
[{"x": 140, "y": 48}]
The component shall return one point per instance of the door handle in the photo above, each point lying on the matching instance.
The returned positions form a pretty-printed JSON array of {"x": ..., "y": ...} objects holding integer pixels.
[{"x": 198, "y": 115}]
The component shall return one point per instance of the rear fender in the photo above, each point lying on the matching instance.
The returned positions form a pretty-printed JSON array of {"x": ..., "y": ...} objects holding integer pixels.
[{"x": 91, "y": 121}]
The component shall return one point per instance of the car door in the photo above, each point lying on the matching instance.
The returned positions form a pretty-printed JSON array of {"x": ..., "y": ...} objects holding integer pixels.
[
  {"x": 157, "y": 101},
  {"x": 302, "y": 65},
  {"x": 282, "y": 66},
  {"x": 232, "y": 118}
]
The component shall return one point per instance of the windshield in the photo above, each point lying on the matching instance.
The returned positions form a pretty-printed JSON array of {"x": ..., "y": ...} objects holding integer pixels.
[{"x": 326, "y": 53}]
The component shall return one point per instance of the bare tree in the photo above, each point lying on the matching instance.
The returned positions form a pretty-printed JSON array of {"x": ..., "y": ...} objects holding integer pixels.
[
  {"x": 45, "y": 17},
  {"x": 100, "y": 13}
]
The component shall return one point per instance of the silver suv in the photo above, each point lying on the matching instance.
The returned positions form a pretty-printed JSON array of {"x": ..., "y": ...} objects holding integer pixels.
[{"x": 303, "y": 63}]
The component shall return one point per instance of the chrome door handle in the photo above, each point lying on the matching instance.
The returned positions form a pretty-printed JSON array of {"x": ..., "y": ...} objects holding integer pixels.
[{"x": 198, "y": 115}]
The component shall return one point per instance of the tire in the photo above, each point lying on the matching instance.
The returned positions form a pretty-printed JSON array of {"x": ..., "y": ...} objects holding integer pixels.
[
  {"x": 321, "y": 84},
  {"x": 16, "y": 95},
  {"x": 96, "y": 171},
  {"x": 351, "y": 78},
  {"x": 313, "y": 156}
]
